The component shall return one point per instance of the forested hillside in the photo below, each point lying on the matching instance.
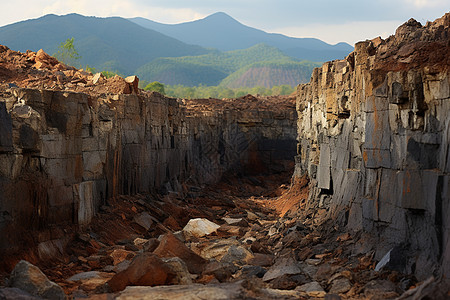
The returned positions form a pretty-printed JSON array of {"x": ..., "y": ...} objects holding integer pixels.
[
  {"x": 229, "y": 68},
  {"x": 114, "y": 44},
  {"x": 120, "y": 46}
]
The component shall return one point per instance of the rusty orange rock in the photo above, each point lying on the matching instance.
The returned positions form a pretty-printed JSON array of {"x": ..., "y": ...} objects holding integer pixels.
[
  {"x": 170, "y": 246},
  {"x": 145, "y": 270}
]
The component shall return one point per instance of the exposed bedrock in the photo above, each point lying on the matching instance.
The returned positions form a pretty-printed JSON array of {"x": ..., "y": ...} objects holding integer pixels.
[
  {"x": 374, "y": 135},
  {"x": 62, "y": 155}
]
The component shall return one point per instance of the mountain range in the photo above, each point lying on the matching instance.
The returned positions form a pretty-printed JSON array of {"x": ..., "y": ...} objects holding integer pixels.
[
  {"x": 222, "y": 32},
  {"x": 105, "y": 43},
  {"x": 211, "y": 51}
]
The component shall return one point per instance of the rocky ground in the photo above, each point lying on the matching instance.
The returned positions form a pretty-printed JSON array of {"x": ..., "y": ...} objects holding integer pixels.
[
  {"x": 247, "y": 237},
  {"x": 39, "y": 70},
  {"x": 42, "y": 71}
]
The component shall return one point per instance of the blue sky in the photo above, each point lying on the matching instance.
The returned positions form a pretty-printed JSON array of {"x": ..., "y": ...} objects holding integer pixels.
[{"x": 330, "y": 20}]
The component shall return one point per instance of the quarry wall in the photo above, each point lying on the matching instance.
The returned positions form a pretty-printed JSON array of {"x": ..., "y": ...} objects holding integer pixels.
[
  {"x": 374, "y": 135},
  {"x": 64, "y": 154}
]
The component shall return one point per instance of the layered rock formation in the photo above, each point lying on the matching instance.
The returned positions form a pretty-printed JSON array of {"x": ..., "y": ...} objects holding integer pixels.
[
  {"x": 373, "y": 132},
  {"x": 64, "y": 154},
  {"x": 374, "y": 135}
]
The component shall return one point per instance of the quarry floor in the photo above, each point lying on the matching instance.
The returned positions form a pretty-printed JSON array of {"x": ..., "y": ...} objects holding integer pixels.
[{"x": 267, "y": 247}]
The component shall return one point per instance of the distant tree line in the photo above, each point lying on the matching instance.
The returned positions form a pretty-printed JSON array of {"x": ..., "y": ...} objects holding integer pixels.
[
  {"x": 69, "y": 55},
  {"x": 107, "y": 74},
  {"x": 219, "y": 92}
]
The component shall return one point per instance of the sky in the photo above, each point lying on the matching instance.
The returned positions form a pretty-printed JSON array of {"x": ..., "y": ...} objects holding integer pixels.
[{"x": 332, "y": 21}]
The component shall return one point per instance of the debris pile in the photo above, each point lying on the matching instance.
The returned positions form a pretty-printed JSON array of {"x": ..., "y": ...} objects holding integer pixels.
[
  {"x": 249, "y": 236},
  {"x": 39, "y": 70},
  {"x": 241, "y": 249}
]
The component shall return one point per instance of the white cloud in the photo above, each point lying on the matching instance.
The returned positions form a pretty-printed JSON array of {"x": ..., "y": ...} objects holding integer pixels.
[
  {"x": 427, "y": 3},
  {"x": 170, "y": 15},
  {"x": 19, "y": 10},
  {"x": 351, "y": 32},
  {"x": 291, "y": 18},
  {"x": 15, "y": 11},
  {"x": 122, "y": 8}
]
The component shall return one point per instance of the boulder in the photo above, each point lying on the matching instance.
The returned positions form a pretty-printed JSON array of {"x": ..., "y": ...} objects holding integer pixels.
[
  {"x": 340, "y": 286},
  {"x": 394, "y": 259},
  {"x": 144, "y": 220},
  {"x": 230, "y": 230},
  {"x": 118, "y": 85},
  {"x": 380, "y": 289},
  {"x": 232, "y": 221},
  {"x": 182, "y": 275},
  {"x": 221, "y": 271},
  {"x": 29, "y": 278},
  {"x": 257, "y": 247},
  {"x": 271, "y": 293},
  {"x": 151, "y": 245},
  {"x": 263, "y": 260},
  {"x": 238, "y": 255},
  {"x": 200, "y": 227},
  {"x": 223, "y": 291},
  {"x": 312, "y": 289},
  {"x": 284, "y": 265},
  {"x": 170, "y": 246},
  {"x": 119, "y": 255},
  {"x": 97, "y": 78},
  {"x": 251, "y": 271},
  {"x": 139, "y": 242},
  {"x": 288, "y": 282},
  {"x": 122, "y": 266},
  {"x": 133, "y": 81},
  {"x": 43, "y": 59},
  {"x": 216, "y": 249},
  {"x": 146, "y": 269},
  {"x": 86, "y": 276},
  {"x": 90, "y": 281},
  {"x": 251, "y": 216},
  {"x": 236, "y": 221}
]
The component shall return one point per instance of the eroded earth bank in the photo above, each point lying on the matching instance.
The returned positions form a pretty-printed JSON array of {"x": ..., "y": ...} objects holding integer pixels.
[{"x": 338, "y": 192}]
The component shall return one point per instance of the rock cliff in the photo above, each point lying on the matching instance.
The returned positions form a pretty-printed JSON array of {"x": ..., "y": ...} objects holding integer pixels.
[
  {"x": 374, "y": 135},
  {"x": 64, "y": 154}
]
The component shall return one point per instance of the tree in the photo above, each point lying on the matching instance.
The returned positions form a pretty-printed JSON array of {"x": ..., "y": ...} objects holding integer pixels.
[
  {"x": 282, "y": 90},
  {"x": 67, "y": 52},
  {"x": 156, "y": 87},
  {"x": 109, "y": 74}
]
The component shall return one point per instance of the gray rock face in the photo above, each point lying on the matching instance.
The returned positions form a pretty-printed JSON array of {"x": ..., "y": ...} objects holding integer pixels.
[
  {"x": 384, "y": 163},
  {"x": 29, "y": 278},
  {"x": 324, "y": 169},
  {"x": 67, "y": 153},
  {"x": 5, "y": 129}
]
